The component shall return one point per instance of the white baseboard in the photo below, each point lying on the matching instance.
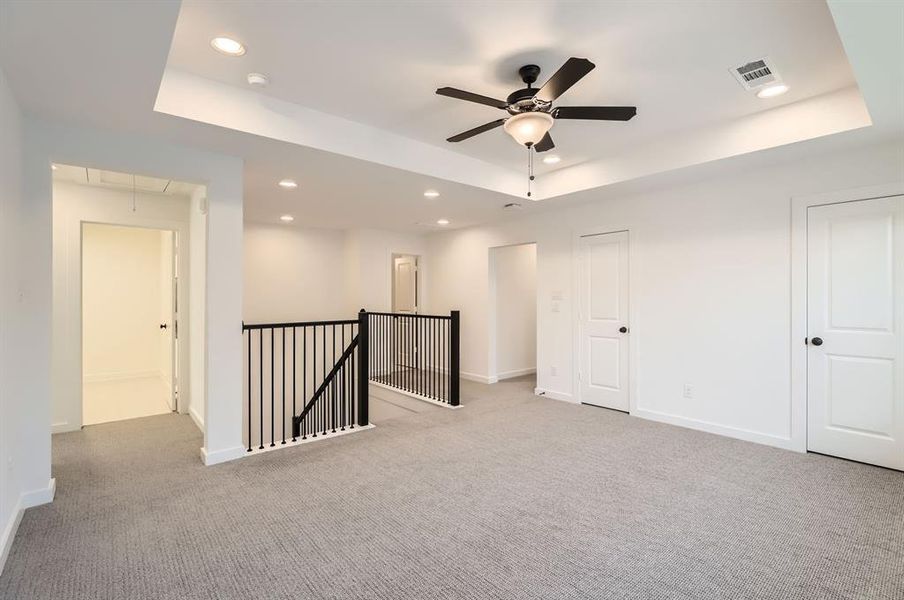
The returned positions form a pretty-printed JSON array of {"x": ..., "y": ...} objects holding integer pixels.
[
  {"x": 475, "y": 377},
  {"x": 563, "y": 396},
  {"x": 119, "y": 376},
  {"x": 400, "y": 392},
  {"x": 220, "y": 456},
  {"x": 308, "y": 440},
  {"x": 515, "y": 373},
  {"x": 63, "y": 427},
  {"x": 26, "y": 500},
  {"x": 196, "y": 417},
  {"x": 709, "y": 427}
]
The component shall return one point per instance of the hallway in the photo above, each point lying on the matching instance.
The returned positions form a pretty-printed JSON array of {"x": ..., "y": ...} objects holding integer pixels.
[{"x": 513, "y": 496}]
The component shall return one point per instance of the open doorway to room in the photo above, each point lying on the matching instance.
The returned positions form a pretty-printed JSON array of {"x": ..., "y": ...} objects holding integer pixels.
[
  {"x": 128, "y": 303},
  {"x": 513, "y": 313},
  {"x": 130, "y": 322}
]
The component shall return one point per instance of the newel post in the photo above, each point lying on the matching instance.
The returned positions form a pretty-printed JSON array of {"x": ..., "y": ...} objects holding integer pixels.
[
  {"x": 454, "y": 362},
  {"x": 363, "y": 368}
]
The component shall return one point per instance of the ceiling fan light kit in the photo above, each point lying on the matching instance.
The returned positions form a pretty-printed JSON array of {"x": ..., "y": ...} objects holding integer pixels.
[
  {"x": 528, "y": 128},
  {"x": 531, "y": 110}
]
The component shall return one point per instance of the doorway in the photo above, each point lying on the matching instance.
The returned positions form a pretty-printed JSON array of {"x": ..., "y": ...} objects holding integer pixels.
[
  {"x": 405, "y": 299},
  {"x": 603, "y": 320},
  {"x": 129, "y": 322},
  {"x": 513, "y": 318},
  {"x": 855, "y": 330}
]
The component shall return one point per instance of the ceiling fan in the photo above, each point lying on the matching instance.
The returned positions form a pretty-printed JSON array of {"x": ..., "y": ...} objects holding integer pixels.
[{"x": 531, "y": 108}]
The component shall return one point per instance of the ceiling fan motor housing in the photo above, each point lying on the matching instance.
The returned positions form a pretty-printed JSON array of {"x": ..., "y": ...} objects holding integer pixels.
[{"x": 523, "y": 100}]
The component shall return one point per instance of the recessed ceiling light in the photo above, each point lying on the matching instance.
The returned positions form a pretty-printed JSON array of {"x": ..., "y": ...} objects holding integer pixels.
[
  {"x": 227, "y": 46},
  {"x": 772, "y": 91},
  {"x": 443, "y": 222},
  {"x": 53, "y": 167},
  {"x": 288, "y": 184},
  {"x": 287, "y": 218},
  {"x": 431, "y": 194},
  {"x": 258, "y": 79},
  {"x": 551, "y": 159}
]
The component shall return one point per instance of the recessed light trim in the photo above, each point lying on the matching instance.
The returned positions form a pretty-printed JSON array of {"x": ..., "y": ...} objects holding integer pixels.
[
  {"x": 227, "y": 46},
  {"x": 258, "y": 80},
  {"x": 772, "y": 91},
  {"x": 442, "y": 222},
  {"x": 287, "y": 218},
  {"x": 551, "y": 159},
  {"x": 431, "y": 194},
  {"x": 288, "y": 184}
]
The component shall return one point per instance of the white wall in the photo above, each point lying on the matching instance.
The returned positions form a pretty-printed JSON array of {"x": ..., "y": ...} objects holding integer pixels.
[
  {"x": 122, "y": 293},
  {"x": 46, "y": 143},
  {"x": 197, "y": 315},
  {"x": 24, "y": 339},
  {"x": 513, "y": 304},
  {"x": 710, "y": 286},
  {"x": 294, "y": 274}
]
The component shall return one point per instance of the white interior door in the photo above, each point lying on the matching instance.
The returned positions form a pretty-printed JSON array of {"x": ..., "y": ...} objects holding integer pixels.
[
  {"x": 855, "y": 311},
  {"x": 404, "y": 300},
  {"x": 169, "y": 316},
  {"x": 603, "y": 315}
]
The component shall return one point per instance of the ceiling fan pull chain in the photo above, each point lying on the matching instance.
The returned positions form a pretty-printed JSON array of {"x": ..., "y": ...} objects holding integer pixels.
[{"x": 530, "y": 170}]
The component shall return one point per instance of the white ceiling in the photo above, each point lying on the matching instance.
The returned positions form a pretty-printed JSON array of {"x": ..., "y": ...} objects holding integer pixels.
[
  {"x": 56, "y": 55},
  {"x": 122, "y": 181},
  {"x": 378, "y": 63}
]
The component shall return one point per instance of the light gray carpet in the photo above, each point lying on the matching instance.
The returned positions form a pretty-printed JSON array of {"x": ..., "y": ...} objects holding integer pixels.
[{"x": 511, "y": 497}]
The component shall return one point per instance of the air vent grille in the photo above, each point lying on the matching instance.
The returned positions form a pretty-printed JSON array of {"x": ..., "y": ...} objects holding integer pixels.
[{"x": 756, "y": 74}]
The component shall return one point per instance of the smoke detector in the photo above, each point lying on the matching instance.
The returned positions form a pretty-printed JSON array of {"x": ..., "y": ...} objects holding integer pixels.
[{"x": 756, "y": 74}]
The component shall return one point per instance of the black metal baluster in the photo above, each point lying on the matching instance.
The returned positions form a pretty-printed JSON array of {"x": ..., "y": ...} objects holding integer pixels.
[
  {"x": 333, "y": 387},
  {"x": 272, "y": 387},
  {"x": 354, "y": 387},
  {"x": 436, "y": 358},
  {"x": 313, "y": 411},
  {"x": 283, "y": 385},
  {"x": 304, "y": 380},
  {"x": 250, "y": 332},
  {"x": 261, "y": 369},
  {"x": 320, "y": 401},
  {"x": 342, "y": 386},
  {"x": 294, "y": 360}
]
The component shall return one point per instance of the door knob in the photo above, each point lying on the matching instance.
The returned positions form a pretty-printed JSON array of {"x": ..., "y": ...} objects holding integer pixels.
[
  {"x": 817, "y": 341},
  {"x": 623, "y": 329},
  {"x": 163, "y": 326}
]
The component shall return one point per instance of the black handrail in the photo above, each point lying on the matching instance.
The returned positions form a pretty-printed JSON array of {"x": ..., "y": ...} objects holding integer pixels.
[{"x": 328, "y": 381}]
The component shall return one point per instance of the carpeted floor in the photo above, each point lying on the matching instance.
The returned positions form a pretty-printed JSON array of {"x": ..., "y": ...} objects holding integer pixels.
[{"x": 511, "y": 497}]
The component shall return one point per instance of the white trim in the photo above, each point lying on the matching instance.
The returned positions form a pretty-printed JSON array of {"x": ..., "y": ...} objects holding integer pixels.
[
  {"x": 220, "y": 456},
  {"x": 562, "y": 396},
  {"x": 426, "y": 399},
  {"x": 634, "y": 315},
  {"x": 515, "y": 373},
  {"x": 476, "y": 377},
  {"x": 799, "y": 206},
  {"x": 299, "y": 441},
  {"x": 193, "y": 413},
  {"x": 63, "y": 427},
  {"x": 26, "y": 500},
  {"x": 733, "y": 432},
  {"x": 9, "y": 533}
]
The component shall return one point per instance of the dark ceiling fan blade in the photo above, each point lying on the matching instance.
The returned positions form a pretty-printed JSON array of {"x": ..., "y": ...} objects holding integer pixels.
[
  {"x": 544, "y": 144},
  {"x": 470, "y": 97},
  {"x": 567, "y": 75},
  {"x": 472, "y": 132},
  {"x": 596, "y": 113}
]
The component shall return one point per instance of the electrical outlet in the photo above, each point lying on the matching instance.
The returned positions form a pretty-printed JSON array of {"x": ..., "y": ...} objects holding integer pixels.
[
  {"x": 553, "y": 371},
  {"x": 688, "y": 391}
]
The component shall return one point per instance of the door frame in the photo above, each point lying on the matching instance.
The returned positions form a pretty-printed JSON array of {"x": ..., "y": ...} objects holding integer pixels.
[
  {"x": 418, "y": 284},
  {"x": 634, "y": 316},
  {"x": 798, "y": 350}
]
